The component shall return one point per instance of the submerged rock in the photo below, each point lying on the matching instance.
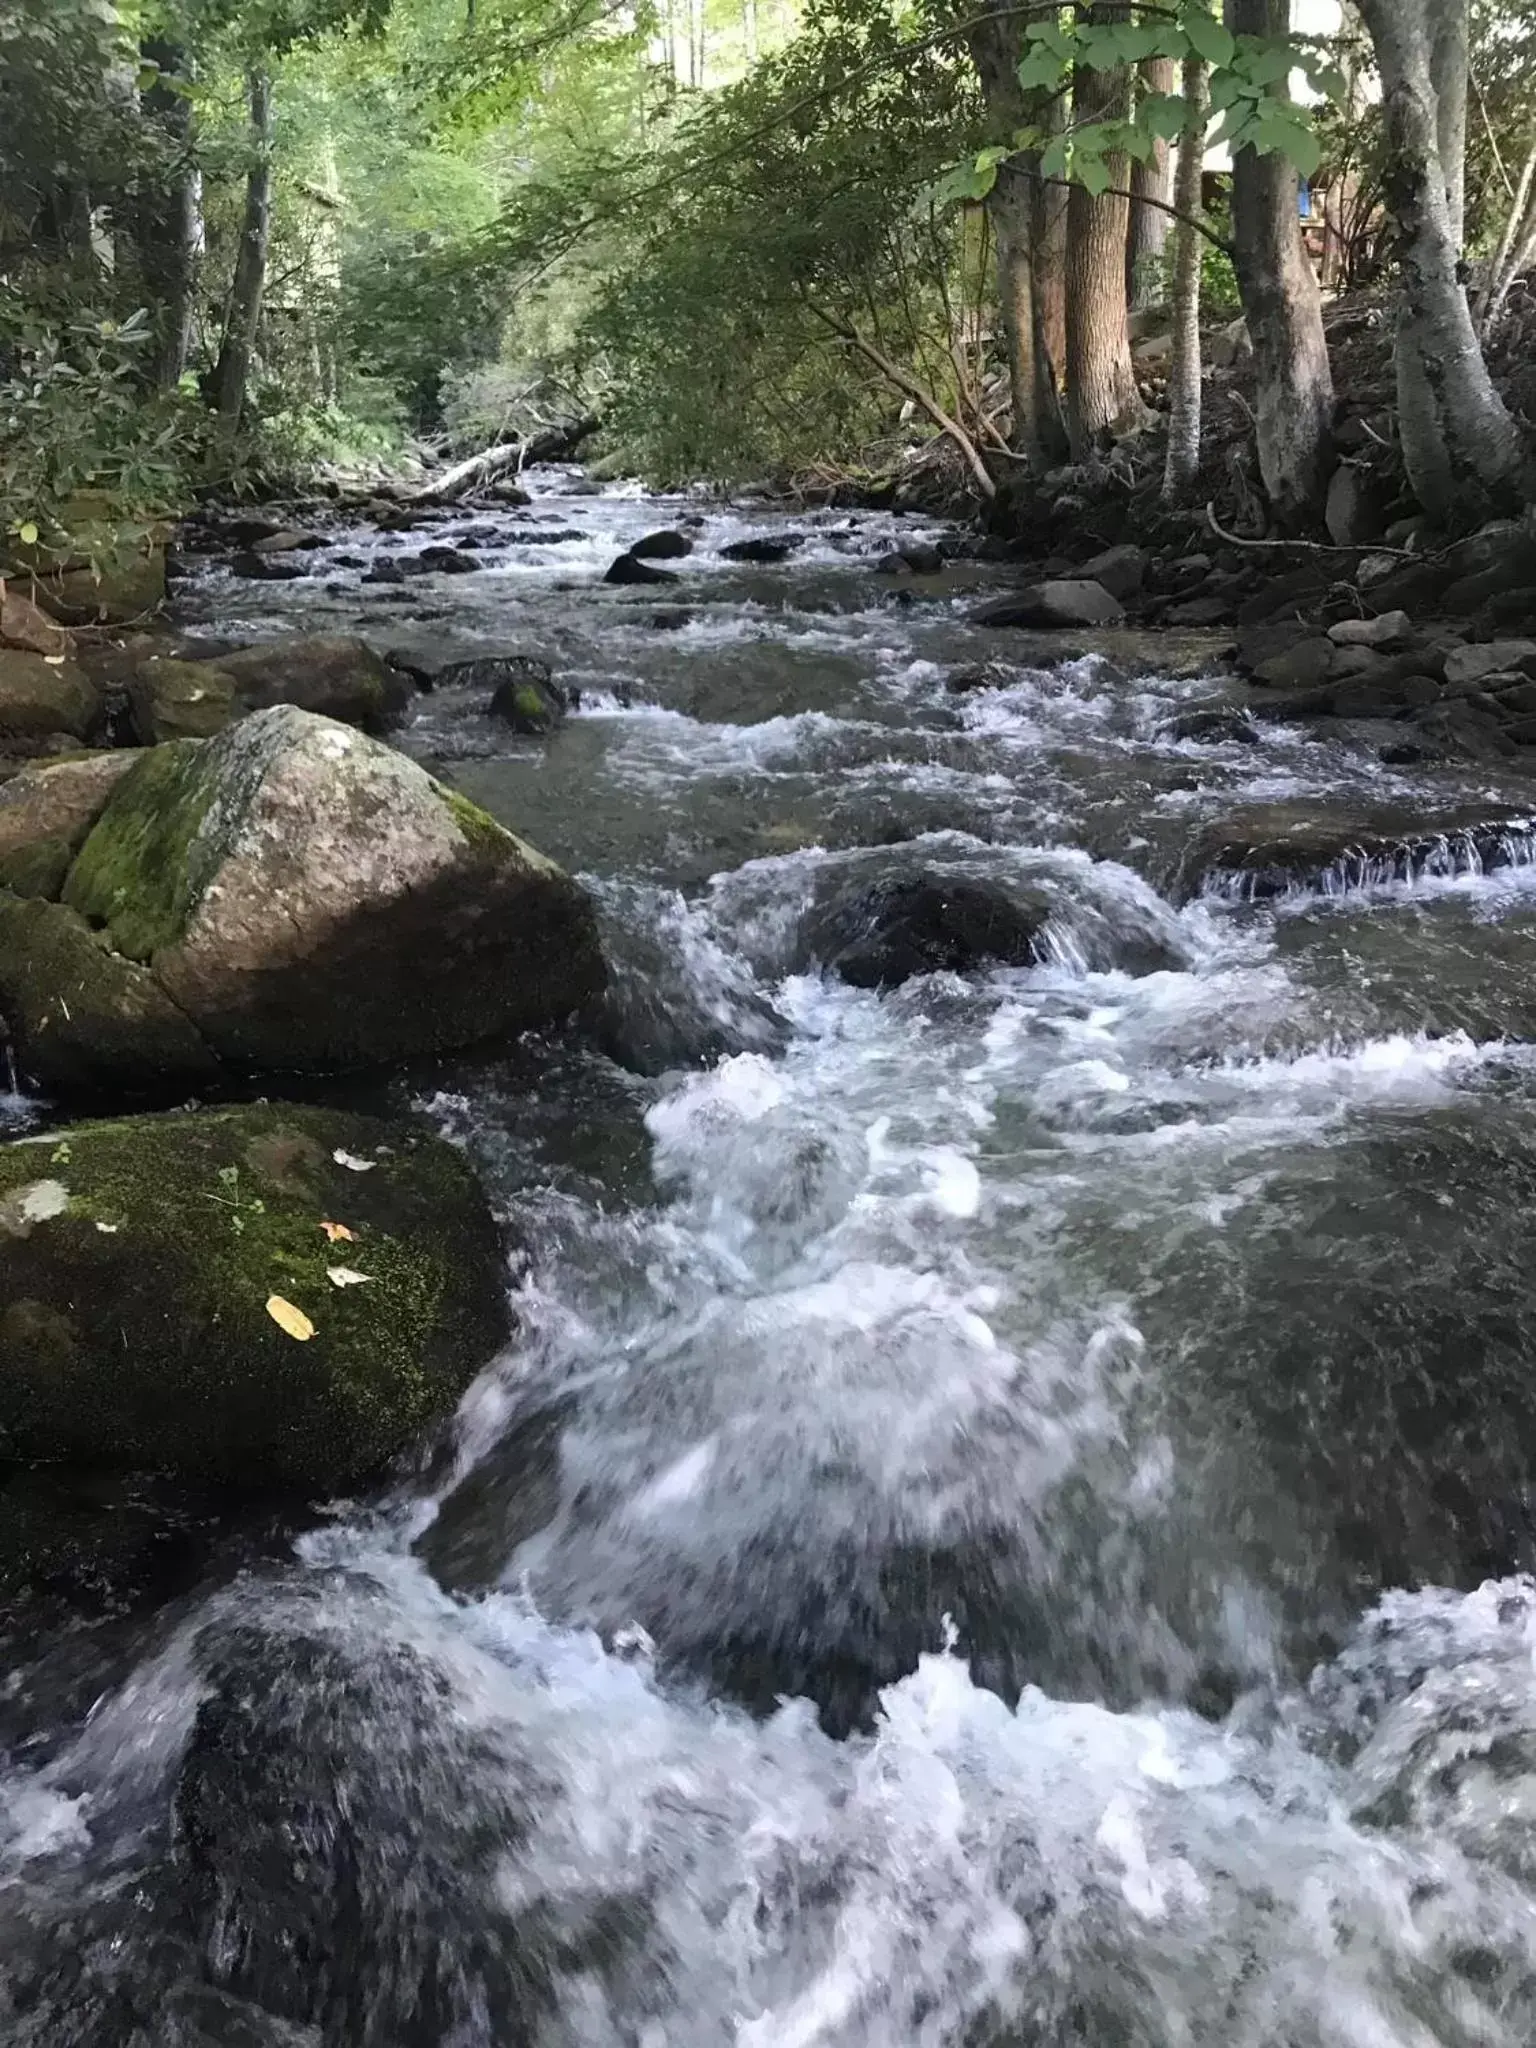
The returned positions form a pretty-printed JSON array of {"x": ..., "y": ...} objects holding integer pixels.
[
  {"x": 662, "y": 547},
  {"x": 309, "y": 898},
  {"x": 140, "y": 1259},
  {"x": 524, "y": 693},
  {"x": 1269, "y": 849},
  {"x": 887, "y": 933},
  {"x": 764, "y": 548},
  {"x": 1067, "y": 601},
  {"x": 256, "y": 568},
  {"x": 630, "y": 569}
]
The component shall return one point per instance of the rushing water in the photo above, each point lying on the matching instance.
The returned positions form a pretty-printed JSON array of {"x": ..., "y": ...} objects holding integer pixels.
[{"x": 1004, "y": 1520}]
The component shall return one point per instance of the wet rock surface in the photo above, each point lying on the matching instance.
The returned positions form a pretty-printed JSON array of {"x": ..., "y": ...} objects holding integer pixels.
[{"x": 142, "y": 1257}]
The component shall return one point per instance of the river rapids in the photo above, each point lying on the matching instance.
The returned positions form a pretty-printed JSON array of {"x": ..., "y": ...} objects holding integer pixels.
[{"x": 1004, "y": 1524}]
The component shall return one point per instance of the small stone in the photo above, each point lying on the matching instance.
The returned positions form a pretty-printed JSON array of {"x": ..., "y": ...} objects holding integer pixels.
[
  {"x": 1074, "y": 602},
  {"x": 1122, "y": 571},
  {"x": 1390, "y": 630},
  {"x": 1301, "y": 667},
  {"x": 1470, "y": 664}
]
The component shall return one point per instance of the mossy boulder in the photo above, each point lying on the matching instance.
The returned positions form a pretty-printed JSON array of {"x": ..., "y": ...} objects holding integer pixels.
[
  {"x": 41, "y": 693},
  {"x": 82, "y": 1020},
  {"x": 310, "y": 899},
  {"x": 333, "y": 675},
  {"x": 140, "y": 1257},
  {"x": 178, "y": 700},
  {"x": 122, "y": 587}
]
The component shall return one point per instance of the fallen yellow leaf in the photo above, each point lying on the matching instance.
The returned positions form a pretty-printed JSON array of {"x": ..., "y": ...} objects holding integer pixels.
[
  {"x": 292, "y": 1320},
  {"x": 338, "y": 1233},
  {"x": 346, "y": 1276}
]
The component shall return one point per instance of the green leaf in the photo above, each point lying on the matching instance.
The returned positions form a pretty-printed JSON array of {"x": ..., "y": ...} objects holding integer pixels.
[
  {"x": 1054, "y": 162},
  {"x": 1093, "y": 175},
  {"x": 1270, "y": 66},
  {"x": 1162, "y": 114},
  {"x": 1209, "y": 40},
  {"x": 1279, "y": 133},
  {"x": 1042, "y": 67},
  {"x": 1136, "y": 41}
]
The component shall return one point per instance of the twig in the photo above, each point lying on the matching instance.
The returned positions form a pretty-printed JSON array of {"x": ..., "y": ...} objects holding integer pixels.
[{"x": 1318, "y": 547}]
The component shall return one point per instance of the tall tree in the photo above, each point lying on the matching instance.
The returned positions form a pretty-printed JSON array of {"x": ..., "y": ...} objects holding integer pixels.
[
  {"x": 242, "y": 322},
  {"x": 1184, "y": 380},
  {"x": 1102, "y": 397},
  {"x": 1283, "y": 307},
  {"x": 170, "y": 224},
  {"x": 1151, "y": 193},
  {"x": 996, "y": 41},
  {"x": 1460, "y": 446}
]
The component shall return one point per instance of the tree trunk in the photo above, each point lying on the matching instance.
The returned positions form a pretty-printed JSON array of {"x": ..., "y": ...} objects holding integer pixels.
[
  {"x": 1450, "y": 72},
  {"x": 232, "y": 373},
  {"x": 1102, "y": 398},
  {"x": 170, "y": 229},
  {"x": 1050, "y": 241},
  {"x": 1460, "y": 447},
  {"x": 996, "y": 42},
  {"x": 749, "y": 29},
  {"x": 1284, "y": 310},
  {"x": 1184, "y": 377},
  {"x": 1151, "y": 181}
]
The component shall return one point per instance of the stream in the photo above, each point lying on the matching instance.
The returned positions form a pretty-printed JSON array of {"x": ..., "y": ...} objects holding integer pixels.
[{"x": 1004, "y": 1520}]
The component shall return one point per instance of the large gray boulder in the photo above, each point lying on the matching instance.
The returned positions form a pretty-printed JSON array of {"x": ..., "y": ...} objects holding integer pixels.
[{"x": 309, "y": 898}]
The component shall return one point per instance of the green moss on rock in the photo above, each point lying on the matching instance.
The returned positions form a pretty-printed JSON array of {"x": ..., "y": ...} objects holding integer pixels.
[
  {"x": 136, "y": 876},
  {"x": 135, "y": 1331}
]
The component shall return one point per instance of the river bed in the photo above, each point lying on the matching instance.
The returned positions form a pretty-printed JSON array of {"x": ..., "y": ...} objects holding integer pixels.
[{"x": 1004, "y": 1520}]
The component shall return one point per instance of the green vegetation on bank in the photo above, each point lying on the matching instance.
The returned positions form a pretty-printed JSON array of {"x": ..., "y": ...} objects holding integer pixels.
[{"x": 241, "y": 242}]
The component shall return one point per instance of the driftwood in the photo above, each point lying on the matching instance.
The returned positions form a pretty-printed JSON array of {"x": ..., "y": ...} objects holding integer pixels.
[{"x": 554, "y": 444}]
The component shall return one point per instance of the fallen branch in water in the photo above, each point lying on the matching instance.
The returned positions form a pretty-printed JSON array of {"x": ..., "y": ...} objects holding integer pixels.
[{"x": 553, "y": 444}]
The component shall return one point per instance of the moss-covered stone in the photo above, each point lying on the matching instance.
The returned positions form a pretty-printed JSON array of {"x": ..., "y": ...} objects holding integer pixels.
[
  {"x": 139, "y": 1256},
  {"x": 178, "y": 700},
  {"x": 118, "y": 589},
  {"x": 38, "y": 869},
  {"x": 42, "y": 693},
  {"x": 135, "y": 876},
  {"x": 312, "y": 899},
  {"x": 84, "y": 1021},
  {"x": 334, "y": 675}
]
